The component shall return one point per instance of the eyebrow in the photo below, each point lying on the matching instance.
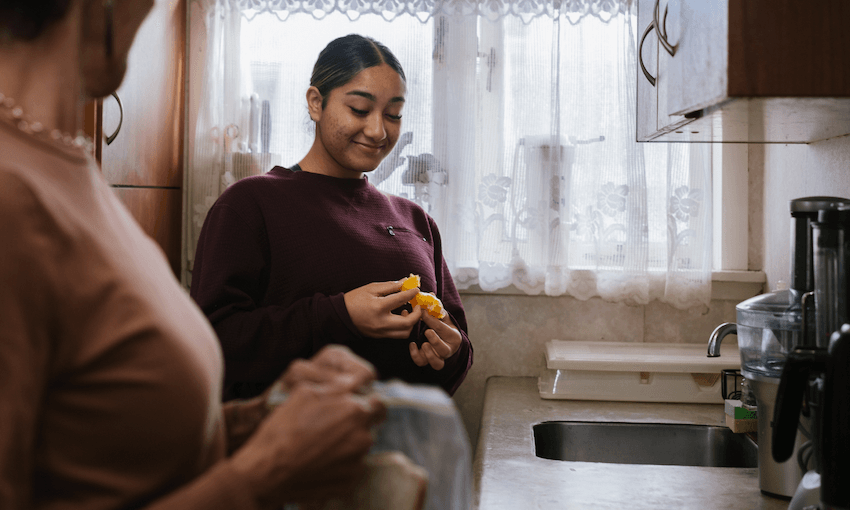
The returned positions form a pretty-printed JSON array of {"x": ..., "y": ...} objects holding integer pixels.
[{"x": 370, "y": 97}]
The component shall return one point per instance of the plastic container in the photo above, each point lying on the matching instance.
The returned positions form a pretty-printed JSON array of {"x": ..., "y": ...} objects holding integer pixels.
[
  {"x": 769, "y": 326},
  {"x": 635, "y": 372}
]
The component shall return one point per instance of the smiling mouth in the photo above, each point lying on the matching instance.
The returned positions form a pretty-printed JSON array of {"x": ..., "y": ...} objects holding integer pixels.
[{"x": 371, "y": 148}]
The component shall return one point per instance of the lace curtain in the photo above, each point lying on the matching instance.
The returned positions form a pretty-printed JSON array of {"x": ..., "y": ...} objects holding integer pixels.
[
  {"x": 492, "y": 10},
  {"x": 518, "y": 137}
]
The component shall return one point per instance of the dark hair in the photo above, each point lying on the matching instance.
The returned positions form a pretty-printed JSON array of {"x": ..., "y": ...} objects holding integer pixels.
[
  {"x": 28, "y": 19},
  {"x": 343, "y": 58}
]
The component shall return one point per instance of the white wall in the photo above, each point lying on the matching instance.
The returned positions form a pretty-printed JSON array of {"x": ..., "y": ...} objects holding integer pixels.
[{"x": 788, "y": 172}]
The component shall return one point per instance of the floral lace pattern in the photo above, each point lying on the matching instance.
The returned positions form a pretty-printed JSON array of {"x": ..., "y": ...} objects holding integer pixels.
[
  {"x": 684, "y": 206},
  {"x": 493, "y": 10}
]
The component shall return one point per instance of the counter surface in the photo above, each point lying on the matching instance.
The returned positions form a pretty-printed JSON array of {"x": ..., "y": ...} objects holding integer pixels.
[{"x": 508, "y": 475}]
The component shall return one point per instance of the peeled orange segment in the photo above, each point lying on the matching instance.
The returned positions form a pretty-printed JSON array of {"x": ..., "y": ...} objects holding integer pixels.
[
  {"x": 428, "y": 301},
  {"x": 411, "y": 282}
]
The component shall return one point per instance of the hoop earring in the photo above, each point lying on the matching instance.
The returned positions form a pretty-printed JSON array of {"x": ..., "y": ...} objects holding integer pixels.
[{"x": 108, "y": 14}]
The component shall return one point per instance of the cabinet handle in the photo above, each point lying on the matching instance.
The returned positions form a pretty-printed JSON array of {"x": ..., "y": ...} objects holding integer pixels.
[
  {"x": 640, "y": 53},
  {"x": 111, "y": 138},
  {"x": 661, "y": 28}
]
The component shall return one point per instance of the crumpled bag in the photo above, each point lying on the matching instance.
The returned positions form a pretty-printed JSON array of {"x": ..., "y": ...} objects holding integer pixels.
[{"x": 424, "y": 426}]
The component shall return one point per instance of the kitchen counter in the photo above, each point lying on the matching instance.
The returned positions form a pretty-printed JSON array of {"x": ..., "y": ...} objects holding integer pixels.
[{"x": 508, "y": 475}]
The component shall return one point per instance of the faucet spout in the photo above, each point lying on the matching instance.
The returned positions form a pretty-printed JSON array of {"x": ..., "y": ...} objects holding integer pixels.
[{"x": 727, "y": 328}]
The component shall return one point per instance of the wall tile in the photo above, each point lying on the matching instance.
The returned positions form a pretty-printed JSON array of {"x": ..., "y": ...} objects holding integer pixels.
[{"x": 665, "y": 324}]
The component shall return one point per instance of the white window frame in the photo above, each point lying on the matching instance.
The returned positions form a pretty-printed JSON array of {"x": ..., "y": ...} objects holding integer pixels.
[{"x": 731, "y": 277}]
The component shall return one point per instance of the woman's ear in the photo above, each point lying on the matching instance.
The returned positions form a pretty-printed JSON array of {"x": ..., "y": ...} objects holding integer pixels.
[{"x": 314, "y": 103}]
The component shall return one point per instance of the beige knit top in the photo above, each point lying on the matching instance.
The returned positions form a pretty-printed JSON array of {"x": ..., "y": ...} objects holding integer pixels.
[{"x": 109, "y": 374}]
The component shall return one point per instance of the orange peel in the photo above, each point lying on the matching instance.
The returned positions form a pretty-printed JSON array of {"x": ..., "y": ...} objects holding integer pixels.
[{"x": 426, "y": 300}]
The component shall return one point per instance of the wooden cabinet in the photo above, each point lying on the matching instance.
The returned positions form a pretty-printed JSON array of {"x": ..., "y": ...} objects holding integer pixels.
[
  {"x": 144, "y": 163},
  {"x": 774, "y": 71}
]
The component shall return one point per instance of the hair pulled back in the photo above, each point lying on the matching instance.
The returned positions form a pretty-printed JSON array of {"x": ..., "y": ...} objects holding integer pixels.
[
  {"x": 344, "y": 58},
  {"x": 27, "y": 19}
]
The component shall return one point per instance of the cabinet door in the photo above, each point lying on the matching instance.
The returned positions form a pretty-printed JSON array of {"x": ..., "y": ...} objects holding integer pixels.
[
  {"x": 668, "y": 86},
  {"x": 647, "y": 100},
  {"x": 144, "y": 163},
  {"x": 147, "y": 150},
  {"x": 158, "y": 211},
  {"x": 698, "y": 73}
]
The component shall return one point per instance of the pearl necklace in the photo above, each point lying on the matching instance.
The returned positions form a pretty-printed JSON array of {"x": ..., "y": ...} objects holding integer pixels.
[{"x": 13, "y": 114}]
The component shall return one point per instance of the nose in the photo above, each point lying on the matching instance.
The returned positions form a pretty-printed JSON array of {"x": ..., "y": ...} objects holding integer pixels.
[{"x": 375, "y": 129}]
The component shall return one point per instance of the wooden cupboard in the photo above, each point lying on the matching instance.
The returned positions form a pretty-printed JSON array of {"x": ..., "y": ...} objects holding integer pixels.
[
  {"x": 144, "y": 162},
  {"x": 750, "y": 71}
]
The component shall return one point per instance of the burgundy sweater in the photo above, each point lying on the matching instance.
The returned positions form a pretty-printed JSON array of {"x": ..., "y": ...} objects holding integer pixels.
[{"x": 278, "y": 251}]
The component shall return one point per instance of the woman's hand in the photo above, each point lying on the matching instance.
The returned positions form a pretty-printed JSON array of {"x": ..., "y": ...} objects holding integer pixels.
[
  {"x": 370, "y": 308},
  {"x": 312, "y": 446},
  {"x": 443, "y": 341},
  {"x": 333, "y": 364}
]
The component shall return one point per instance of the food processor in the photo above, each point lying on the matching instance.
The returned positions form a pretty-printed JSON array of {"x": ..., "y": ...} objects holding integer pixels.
[{"x": 769, "y": 326}]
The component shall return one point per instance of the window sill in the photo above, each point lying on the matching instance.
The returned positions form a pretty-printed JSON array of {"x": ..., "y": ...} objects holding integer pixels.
[{"x": 725, "y": 285}]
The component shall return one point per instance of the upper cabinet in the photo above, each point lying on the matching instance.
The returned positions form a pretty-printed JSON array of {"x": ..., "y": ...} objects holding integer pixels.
[{"x": 751, "y": 71}]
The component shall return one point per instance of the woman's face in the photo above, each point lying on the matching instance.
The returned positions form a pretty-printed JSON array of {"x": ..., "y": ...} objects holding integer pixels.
[{"x": 360, "y": 122}]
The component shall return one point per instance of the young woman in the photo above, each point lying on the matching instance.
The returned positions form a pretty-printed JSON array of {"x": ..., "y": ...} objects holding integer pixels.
[
  {"x": 110, "y": 376},
  {"x": 312, "y": 255}
]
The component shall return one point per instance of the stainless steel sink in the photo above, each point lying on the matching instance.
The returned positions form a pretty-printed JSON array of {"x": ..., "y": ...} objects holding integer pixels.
[{"x": 644, "y": 443}]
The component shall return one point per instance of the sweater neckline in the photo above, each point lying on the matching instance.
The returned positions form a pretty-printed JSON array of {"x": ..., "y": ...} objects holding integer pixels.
[{"x": 327, "y": 180}]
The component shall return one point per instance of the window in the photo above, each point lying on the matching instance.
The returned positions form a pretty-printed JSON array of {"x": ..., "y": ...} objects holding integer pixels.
[{"x": 518, "y": 139}]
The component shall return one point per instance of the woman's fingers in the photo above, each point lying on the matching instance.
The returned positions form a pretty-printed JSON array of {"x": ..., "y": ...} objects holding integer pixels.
[
  {"x": 426, "y": 355},
  {"x": 397, "y": 299},
  {"x": 434, "y": 359},
  {"x": 299, "y": 449},
  {"x": 436, "y": 342},
  {"x": 342, "y": 360},
  {"x": 416, "y": 355},
  {"x": 335, "y": 365},
  {"x": 439, "y": 325},
  {"x": 370, "y": 308},
  {"x": 444, "y": 336}
]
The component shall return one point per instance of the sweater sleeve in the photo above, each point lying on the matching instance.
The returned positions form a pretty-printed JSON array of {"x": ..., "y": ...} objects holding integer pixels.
[
  {"x": 457, "y": 366},
  {"x": 258, "y": 340}
]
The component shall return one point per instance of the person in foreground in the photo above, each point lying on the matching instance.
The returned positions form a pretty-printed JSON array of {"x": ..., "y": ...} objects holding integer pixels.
[
  {"x": 110, "y": 376},
  {"x": 312, "y": 255}
]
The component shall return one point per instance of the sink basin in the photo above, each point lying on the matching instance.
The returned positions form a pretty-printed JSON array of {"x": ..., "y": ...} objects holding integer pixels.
[{"x": 644, "y": 443}]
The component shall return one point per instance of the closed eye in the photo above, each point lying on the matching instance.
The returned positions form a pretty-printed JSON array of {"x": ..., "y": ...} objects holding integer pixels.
[
  {"x": 358, "y": 112},
  {"x": 394, "y": 117}
]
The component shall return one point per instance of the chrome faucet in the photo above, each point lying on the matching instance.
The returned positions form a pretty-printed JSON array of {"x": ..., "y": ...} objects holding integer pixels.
[{"x": 727, "y": 328}]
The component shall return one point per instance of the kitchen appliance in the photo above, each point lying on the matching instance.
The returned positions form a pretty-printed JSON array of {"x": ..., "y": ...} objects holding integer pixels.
[
  {"x": 815, "y": 380},
  {"x": 772, "y": 325},
  {"x": 804, "y": 214},
  {"x": 768, "y": 327}
]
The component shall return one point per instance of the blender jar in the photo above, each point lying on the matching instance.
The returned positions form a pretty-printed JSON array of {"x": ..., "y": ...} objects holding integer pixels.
[{"x": 769, "y": 326}]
